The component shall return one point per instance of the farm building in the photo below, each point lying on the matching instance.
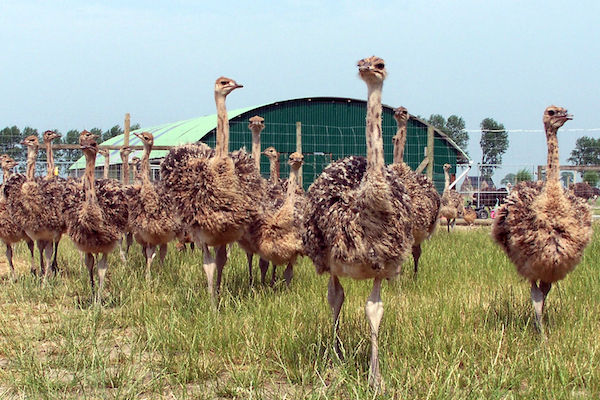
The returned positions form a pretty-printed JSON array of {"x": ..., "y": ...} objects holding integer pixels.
[{"x": 329, "y": 128}]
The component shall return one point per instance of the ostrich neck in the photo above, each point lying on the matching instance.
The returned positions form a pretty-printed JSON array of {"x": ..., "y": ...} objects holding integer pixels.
[
  {"x": 106, "y": 166},
  {"x": 88, "y": 178},
  {"x": 274, "y": 170},
  {"x": 222, "y": 147},
  {"x": 446, "y": 180},
  {"x": 375, "y": 160},
  {"x": 125, "y": 168},
  {"x": 145, "y": 163},
  {"x": 31, "y": 157},
  {"x": 399, "y": 144},
  {"x": 6, "y": 173},
  {"x": 290, "y": 195},
  {"x": 256, "y": 147},
  {"x": 552, "y": 168},
  {"x": 49, "y": 159}
]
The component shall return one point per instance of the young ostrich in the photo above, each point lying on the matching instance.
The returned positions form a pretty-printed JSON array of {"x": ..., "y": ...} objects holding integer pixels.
[
  {"x": 424, "y": 197},
  {"x": 35, "y": 204},
  {"x": 96, "y": 213},
  {"x": 11, "y": 233},
  {"x": 256, "y": 125},
  {"x": 279, "y": 234},
  {"x": 124, "y": 152},
  {"x": 542, "y": 228},
  {"x": 452, "y": 202},
  {"x": 359, "y": 218},
  {"x": 55, "y": 186},
  {"x": 217, "y": 194},
  {"x": 149, "y": 211}
]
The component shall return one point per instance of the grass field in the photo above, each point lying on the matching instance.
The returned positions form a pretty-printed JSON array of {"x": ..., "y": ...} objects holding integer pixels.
[{"x": 464, "y": 329}]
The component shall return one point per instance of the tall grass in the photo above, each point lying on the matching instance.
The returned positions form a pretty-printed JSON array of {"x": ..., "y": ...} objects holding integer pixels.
[{"x": 464, "y": 329}]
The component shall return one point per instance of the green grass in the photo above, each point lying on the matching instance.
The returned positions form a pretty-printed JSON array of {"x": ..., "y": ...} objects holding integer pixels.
[{"x": 464, "y": 329}]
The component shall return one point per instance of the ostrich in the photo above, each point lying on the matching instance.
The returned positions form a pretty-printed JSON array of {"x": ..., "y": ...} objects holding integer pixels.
[
  {"x": 424, "y": 197},
  {"x": 452, "y": 202},
  {"x": 256, "y": 125},
  {"x": 35, "y": 204},
  {"x": 124, "y": 152},
  {"x": 279, "y": 234},
  {"x": 359, "y": 218},
  {"x": 149, "y": 214},
  {"x": 542, "y": 228},
  {"x": 217, "y": 194},
  {"x": 11, "y": 233},
  {"x": 49, "y": 136},
  {"x": 95, "y": 212}
]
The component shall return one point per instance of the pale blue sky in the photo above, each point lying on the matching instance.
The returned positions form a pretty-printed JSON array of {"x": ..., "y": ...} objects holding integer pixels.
[{"x": 82, "y": 64}]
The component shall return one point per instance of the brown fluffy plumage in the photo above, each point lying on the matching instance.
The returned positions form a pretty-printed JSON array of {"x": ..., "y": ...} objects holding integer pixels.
[
  {"x": 542, "y": 228},
  {"x": 424, "y": 197},
  {"x": 452, "y": 203}
]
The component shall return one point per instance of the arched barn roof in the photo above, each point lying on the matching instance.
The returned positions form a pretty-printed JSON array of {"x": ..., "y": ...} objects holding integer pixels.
[{"x": 331, "y": 128}]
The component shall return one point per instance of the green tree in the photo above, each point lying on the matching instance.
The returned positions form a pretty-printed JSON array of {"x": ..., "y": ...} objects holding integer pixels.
[
  {"x": 523, "y": 175},
  {"x": 586, "y": 151},
  {"x": 10, "y": 139},
  {"x": 567, "y": 178},
  {"x": 112, "y": 132},
  {"x": 591, "y": 178},
  {"x": 509, "y": 178},
  {"x": 454, "y": 128},
  {"x": 494, "y": 143}
]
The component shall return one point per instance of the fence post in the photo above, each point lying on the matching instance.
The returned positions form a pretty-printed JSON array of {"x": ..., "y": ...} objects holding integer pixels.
[
  {"x": 299, "y": 147},
  {"x": 125, "y": 168},
  {"x": 430, "y": 136}
]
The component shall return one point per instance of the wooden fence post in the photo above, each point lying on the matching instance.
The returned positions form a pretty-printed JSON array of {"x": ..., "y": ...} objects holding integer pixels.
[{"x": 299, "y": 147}]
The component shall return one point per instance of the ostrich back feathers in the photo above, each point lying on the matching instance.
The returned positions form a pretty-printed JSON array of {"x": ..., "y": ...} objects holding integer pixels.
[
  {"x": 543, "y": 230},
  {"x": 357, "y": 225},
  {"x": 217, "y": 198},
  {"x": 424, "y": 199}
]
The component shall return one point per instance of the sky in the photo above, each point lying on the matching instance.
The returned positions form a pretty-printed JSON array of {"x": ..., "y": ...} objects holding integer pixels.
[{"x": 82, "y": 64}]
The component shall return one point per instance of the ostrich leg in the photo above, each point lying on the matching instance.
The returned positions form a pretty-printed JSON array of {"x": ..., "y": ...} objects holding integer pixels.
[
  {"x": 374, "y": 312},
  {"x": 335, "y": 297},
  {"x": 538, "y": 298}
]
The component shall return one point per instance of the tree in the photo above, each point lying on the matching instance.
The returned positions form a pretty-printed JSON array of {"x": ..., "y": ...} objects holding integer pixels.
[
  {"x": 454, "y": 128},
  {"x": 567, "y": 178},
  {"x": 523, "y": 175},
  {"x": 112, "y": 132},
  {"x": 494, "y": 143},
  {"x": 586, "y": 151},
  {"x": 10, "y": 137},
  {"x": 591, "y": 178},
  {"x": 509, "y": 178}
]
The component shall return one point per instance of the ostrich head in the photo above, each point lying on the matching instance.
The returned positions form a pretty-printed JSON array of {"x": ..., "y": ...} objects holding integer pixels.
[
  {"x": 372, "y": 70},
  {"x": 271, "y": 153},
  {"x": 256, "y": 123},
  {"x": 103, "y": 152},
  {"x": 49, "y": 136},
  {"x": 135, "y": 161},
  {"x": 224, "y": 86},
  {"x": 555, "y": 117},
  {"x": 31, "y": 141},
  {"x": 295, "y": 160},
  {"x": 125, "y": 151},
  {"x": 447, "y": 167},
  {"x": 88, "y": 145},
  {"x": 7, "y": 162},
  {"x": 401, "y": 115},
  {"x": 146, "y": 137},
  {"x": 86, "y": 137}
]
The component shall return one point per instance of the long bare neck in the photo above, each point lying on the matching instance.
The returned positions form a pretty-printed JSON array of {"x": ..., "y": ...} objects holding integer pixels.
[
  {"x": 222, "y": 147},
  {"x": 274, "y": 169},
  {"x": 31, "y": 157},
  {"x": 6, "y": 173},
  {"x": 256, "y": 147},
  {"x": 145, "y": 163},
  {"x": 446, "y": 181},
  {"x": 552, "y": 168},
  {"x": 88, "y": 178},
  {"x": 125, "y": 168},
  {"x": 106, "y": 166},
  {"x": 290, "y": 195},
  {"x": 399, "y": 143},
  {"x": 49, "y": 159},
  {"x": 375, "y": 160}
]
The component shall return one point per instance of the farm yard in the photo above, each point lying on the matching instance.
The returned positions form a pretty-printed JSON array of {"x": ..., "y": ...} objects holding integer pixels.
[{"x": 464, "y": 328}]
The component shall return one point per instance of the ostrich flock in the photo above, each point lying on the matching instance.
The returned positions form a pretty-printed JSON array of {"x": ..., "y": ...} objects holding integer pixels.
[{"x": 359, "y": 219}]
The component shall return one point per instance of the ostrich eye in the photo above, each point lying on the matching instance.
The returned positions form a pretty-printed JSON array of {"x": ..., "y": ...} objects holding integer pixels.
[
  {"x": 224, "y": 82},
  {"x": 380, "y": 66},
  {"x": 551, "y": 113}
]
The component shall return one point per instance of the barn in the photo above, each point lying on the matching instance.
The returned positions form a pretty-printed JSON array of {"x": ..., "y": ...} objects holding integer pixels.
[{"x": 328, "y": 128}]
